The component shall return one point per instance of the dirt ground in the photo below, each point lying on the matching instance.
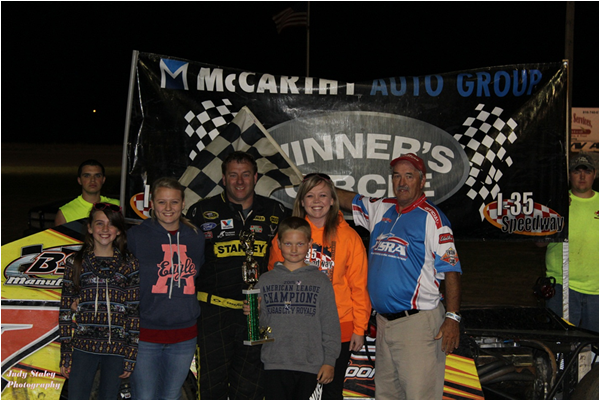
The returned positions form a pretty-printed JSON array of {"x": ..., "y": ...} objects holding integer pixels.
[{"x": 494, "y": 273}]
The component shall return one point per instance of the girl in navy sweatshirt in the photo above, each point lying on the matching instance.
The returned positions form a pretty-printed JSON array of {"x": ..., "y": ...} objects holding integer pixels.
[{"x": 170, "y": 251}]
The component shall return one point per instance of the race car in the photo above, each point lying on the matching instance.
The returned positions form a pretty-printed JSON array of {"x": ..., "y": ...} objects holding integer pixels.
[{"x": 32, "y": 270}]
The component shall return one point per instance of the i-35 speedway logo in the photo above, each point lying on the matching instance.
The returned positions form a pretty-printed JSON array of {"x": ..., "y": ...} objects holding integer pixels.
[{"x": 521, "y": 215}]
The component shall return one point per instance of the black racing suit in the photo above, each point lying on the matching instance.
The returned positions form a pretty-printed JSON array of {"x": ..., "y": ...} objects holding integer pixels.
[{"x": 227, "y": 367}]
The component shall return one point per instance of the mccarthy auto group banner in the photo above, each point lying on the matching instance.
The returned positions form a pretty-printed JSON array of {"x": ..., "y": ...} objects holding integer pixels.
[{"x": 493, "y": 139}]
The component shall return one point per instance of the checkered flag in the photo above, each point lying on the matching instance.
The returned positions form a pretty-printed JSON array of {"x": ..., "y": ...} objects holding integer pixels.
[
  {"x": 205, "y": 125},
  {"x": 485, "y": 142},
  {"x": 245, "y": 133}
]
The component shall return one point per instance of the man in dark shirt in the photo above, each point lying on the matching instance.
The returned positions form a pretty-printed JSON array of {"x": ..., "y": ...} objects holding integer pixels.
[{"x": 228, "y": 368}]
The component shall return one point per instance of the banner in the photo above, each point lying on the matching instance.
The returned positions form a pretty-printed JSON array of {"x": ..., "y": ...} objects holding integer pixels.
[
  {"x": 493, "y": 139},
  {"x": 203, "y": 178},
  {"x": 584, "y": 131}
]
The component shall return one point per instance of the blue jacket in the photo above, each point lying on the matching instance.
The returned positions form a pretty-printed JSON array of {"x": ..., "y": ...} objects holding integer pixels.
[{"x": 169, "y": 265}]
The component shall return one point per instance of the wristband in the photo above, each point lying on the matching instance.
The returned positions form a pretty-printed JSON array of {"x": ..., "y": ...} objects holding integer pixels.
[{"x": 454, "y": 316}]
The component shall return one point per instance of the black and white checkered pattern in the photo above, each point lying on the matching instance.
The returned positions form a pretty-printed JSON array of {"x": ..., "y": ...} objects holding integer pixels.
[
  {"x": 245, "y": 133},
  {"x": 207, "y": 123},
  {"x": 485, "y": 141}
]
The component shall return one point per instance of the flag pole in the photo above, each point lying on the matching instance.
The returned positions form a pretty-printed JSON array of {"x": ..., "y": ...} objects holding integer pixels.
[
  {"x": 569, "y": 36},
  {"x": 308, "y": 40},
  {"x": 130, "y": 97}
]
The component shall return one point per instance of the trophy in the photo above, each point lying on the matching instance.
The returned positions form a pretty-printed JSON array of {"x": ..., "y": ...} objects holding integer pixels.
[{"x": 250, "y": 267}]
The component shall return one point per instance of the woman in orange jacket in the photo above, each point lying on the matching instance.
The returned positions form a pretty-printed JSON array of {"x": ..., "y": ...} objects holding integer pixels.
[{"x": 339, "y": 252}]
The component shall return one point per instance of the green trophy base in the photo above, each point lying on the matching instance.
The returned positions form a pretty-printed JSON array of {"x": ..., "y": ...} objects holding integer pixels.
[
  {"x": 256, "y": 335},
  {"x": 257, "y": 342}
]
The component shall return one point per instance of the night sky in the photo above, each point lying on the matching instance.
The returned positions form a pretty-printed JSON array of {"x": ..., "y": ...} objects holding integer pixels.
[{"x": 62, "y": 61}]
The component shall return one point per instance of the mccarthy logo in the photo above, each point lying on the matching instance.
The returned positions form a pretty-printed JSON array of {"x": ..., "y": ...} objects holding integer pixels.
[{"x": 173, "y": 74}]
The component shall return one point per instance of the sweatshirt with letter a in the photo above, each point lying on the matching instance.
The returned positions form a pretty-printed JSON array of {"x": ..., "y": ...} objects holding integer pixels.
[{"x": 169, "y": 265}]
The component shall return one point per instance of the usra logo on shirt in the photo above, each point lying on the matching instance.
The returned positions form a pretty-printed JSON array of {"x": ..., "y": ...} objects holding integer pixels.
[{"x": 390, "y": 246}]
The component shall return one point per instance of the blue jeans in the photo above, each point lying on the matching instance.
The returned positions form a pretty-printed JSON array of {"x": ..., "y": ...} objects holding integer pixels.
[
  {"x": 161, "y": 370},
  {"x": 83, "y": 370},
  {"x": 583, "y": 308}
]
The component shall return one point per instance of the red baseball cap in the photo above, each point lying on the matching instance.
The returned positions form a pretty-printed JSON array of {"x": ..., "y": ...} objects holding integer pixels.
[{"x": 413, "y": 159}]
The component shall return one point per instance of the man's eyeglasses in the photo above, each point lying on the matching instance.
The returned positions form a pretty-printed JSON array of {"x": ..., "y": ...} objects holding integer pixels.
[
  {"x": 321, "y": 175},
  {"x": 104, "y": 205}
]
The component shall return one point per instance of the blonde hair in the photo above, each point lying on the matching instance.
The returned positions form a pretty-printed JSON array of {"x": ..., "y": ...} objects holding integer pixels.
[
  {"x": 331, "y": 222},
  {"x": 171, "y": 183}
]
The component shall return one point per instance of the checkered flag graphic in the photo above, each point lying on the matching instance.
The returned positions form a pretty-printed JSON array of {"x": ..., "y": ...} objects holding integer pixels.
[
  {"x": 141, "y": 206},
  {"x": 205, "y": 125},
  {"x": 202, "y": 178},
  {"x": 485, "y": 141}
]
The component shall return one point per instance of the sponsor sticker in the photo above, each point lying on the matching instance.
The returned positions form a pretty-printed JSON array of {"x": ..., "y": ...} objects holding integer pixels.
[
  {"x": 208, "y": 226},
  {"x": 224, "y": 234},
  {"x": 446, "y": 238},
  {"x": 38, "y": 267},
  {"x": 210, "y": 215},
  {"x": 234, "y": 248},
  {"x": 450, "y": 257},
  {"x": 256, "y": 229},
  {"x": 227, "y": 224}
]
